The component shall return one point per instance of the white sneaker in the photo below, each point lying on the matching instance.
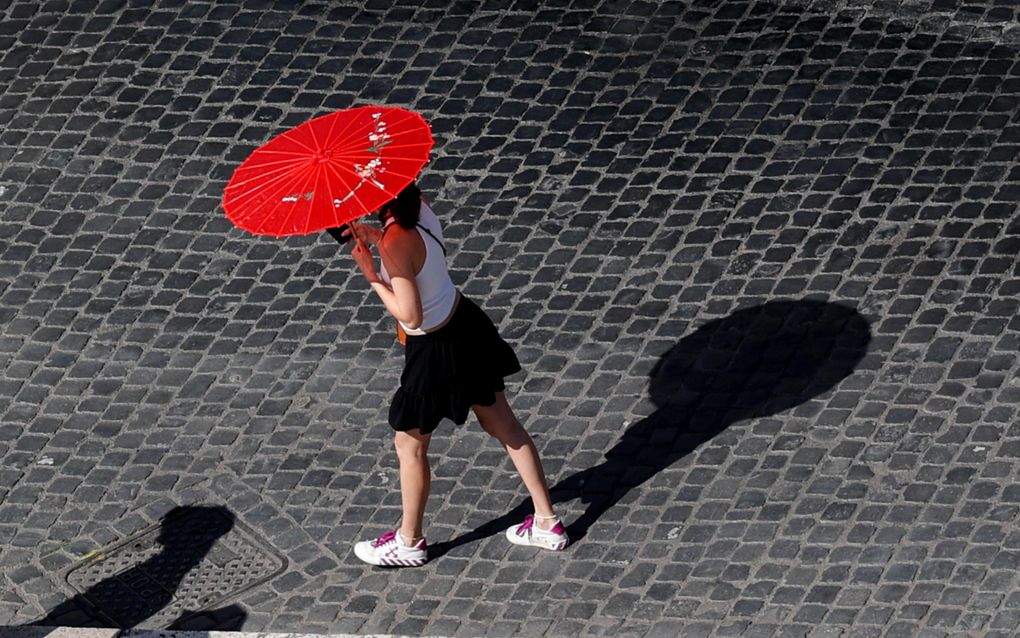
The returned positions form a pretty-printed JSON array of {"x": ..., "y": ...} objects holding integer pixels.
[
  {"x": 527, "y": 533},
  {"x": 389, "y": 550}
]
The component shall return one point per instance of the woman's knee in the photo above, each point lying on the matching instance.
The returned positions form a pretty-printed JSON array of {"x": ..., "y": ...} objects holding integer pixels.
[
  {"x": 411, "y": 446},
  {"x": 493, "y": 428},
  {"x": 505, "y": 428}
]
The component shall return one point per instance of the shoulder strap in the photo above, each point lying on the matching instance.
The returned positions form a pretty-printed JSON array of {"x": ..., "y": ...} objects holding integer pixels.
[{"x": 434, "y": 237}]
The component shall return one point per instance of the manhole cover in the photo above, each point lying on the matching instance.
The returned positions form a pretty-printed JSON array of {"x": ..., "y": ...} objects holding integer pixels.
[{"x": 188, "y": 563}]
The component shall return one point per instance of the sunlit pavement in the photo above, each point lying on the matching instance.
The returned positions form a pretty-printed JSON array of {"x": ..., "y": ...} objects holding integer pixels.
[{"x": 759, "y": 260}]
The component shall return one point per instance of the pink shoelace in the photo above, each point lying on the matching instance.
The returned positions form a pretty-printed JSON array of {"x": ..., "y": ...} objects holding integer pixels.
[
  {"x": 529, "y": 522},
  {"x": 385, "y": 538}
]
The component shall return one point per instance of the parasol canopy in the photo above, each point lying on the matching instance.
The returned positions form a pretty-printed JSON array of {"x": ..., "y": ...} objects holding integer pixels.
[{"x": 328, "y": 171}]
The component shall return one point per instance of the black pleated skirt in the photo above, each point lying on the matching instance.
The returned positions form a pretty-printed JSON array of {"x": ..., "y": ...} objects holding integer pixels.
[{"x": 447, "y": 371}]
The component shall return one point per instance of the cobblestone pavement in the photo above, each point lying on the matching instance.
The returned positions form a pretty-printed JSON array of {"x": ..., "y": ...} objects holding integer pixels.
[{"x": 758, "y": 258}]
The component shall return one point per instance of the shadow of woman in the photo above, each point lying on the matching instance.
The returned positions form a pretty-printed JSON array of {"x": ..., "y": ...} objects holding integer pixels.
[
  {"x": 757, "y": 362},
  {"x": 145, "y": 591}
]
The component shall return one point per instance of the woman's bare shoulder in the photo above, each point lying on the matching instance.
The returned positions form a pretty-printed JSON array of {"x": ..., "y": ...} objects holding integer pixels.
[
  {"x": 395, "y": 233},
  {"x": 400, "y": 240}
]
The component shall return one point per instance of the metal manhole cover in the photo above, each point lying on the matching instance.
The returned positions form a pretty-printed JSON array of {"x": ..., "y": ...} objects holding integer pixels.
[{"x": 190, "y": 562}]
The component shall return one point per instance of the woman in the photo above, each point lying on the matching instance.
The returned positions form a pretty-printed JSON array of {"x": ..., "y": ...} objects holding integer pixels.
[{"x": 454, "y": 362}]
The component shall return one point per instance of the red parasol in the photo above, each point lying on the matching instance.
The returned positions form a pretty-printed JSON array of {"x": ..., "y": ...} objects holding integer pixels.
[{"x": 328, "y": 171}]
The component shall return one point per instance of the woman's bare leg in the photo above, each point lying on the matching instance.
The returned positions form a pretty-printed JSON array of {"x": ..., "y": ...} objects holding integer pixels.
[
  {"x": 499, "y": 421},
  {"x": 415, "y": 480}
]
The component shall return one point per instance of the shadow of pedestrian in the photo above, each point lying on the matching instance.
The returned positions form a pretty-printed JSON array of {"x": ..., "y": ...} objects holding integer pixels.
[
  {"x": 143, "y": 591},
  {"x": 757, "y": 362}
]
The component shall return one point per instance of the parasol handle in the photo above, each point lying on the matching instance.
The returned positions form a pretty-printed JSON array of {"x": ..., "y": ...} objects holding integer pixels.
[{"x": 337, "y": 233}]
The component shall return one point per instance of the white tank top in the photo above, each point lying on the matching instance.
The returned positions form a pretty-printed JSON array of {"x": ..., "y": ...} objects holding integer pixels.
[{"x": 436, "y": 289}]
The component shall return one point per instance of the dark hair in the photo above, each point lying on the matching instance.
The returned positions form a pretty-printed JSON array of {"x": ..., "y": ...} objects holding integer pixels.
[{"x": 405, "y": 207}]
